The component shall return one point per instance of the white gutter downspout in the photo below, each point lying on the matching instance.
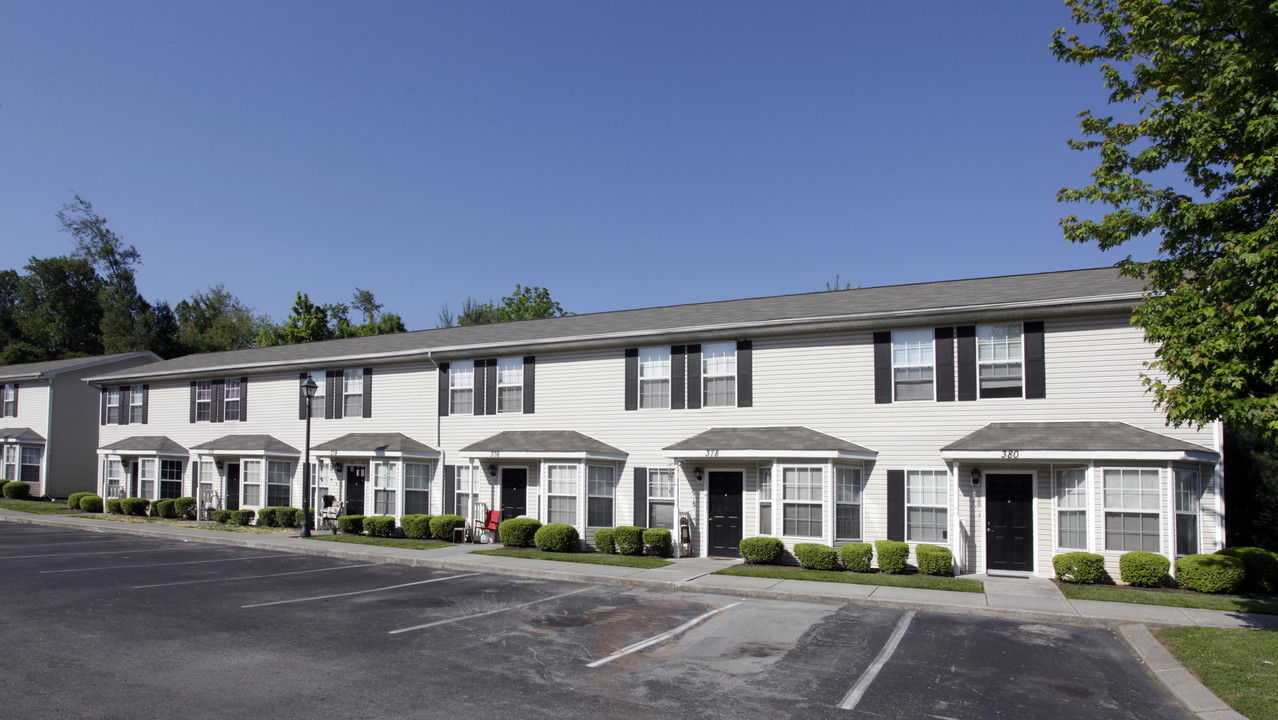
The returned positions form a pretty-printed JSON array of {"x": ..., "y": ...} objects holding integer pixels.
[{"x": 430, "y": 358}]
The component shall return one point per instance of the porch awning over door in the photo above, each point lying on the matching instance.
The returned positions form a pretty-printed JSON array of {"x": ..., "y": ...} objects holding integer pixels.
[
  {"x": 375, "y": 445},
  {"x": 143, "y": 445},
  {"x": 768, "y": 442},
  {"x": 20, "y": 435},
  {"x": 543, "y": 444},
  {"x": 246, "y": 445},
  {"x": 1073, "y": 441}
]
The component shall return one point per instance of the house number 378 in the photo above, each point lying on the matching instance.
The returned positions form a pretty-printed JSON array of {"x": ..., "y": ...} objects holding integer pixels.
[
  {"x": 1011, "y": 454},
  {"x": 712, "y": 453}
]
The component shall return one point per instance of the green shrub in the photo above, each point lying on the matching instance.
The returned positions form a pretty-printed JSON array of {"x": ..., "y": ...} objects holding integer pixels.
[
  {"x": 442, "y": 526},
  {"x": 1079, "y": 567},
  {"x": 2, "y": 484},
  {"x": 657, "y": 542},
  {"x": 1211, "y": 573},
  {"x": 379, "y": 525},
  {"x": 185, "y": 507},
  {"x": 892, "y": 555},
  {"x": 857, "y": 556},
  {"x": 815, "y": 556},
  {"x": 164, "y": 508},
  {"x": 934, "y": 559},
  {"x": 1261, "y": 566},
  {"x": 91, "y": 503},
  {"x": 629, "y": 539},
  {"x": 16, "y": 490},
  {"x": 115, "y": 506},
  {"x": 351, "y": 524},
  {"x": 1143, "y": 569},
  {"x": 288, "y": 517},
  {"x": 219, "y": 516},
  {"x": 761, "y": 550},
  {"x": 266, "y": 517},
  {"x": 605, "y": 541},
  {"x": 557, "y": 537},
  {"x": 242, "y": 517},
  {"x": 73, "y": 500},
  {"x": 135, "y": 506},
  {"x": 518, "y": 532},
  {"x": 416, "y": 526}
]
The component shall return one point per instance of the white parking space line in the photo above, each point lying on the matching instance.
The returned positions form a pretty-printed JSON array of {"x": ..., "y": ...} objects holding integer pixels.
[
  {"x": 358, "y": 592},
  {"x": 854, "y": 695},
  {"x": 484, "y": 614},
  {"x": 252, "y": 577},
  {"x": 104, "y": 552},
  {"x": 184, "y": 562},
  {"x": 636, "y": 647},
  {"x": 88, "y": 542}
]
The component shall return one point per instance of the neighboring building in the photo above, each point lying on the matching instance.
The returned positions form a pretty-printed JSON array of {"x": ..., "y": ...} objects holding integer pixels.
[
  {"x": 1004, "y": 418},
  {"x": 47, "y": 426}
]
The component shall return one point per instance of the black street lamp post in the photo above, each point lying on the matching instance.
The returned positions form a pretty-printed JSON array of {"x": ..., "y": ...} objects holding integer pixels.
[{"x": 308, "y": 388}]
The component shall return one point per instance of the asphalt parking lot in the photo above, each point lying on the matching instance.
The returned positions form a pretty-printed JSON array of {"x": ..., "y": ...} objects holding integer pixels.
[{"x": 110, "y": 626}]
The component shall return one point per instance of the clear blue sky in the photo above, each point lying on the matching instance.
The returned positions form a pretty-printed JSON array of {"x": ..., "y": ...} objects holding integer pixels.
[{"x": 620, "y": 154}]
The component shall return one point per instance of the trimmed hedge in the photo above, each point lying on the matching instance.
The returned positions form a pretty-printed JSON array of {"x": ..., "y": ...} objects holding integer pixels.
[
  {"x": 351, "y": 524},
  {"x": 934, "y": 559},
  {"x": 557, "y": 537},
  {"x": 115, "y": 505},
  {"x": 518, "y": 532},
  {"x": 73, "y": 500},
  {"x": 1079, "y": 567},
  {"x": 379, "y": 525},
  {"x": 91, "y": 503},
  {"x": 761, "y": 550},
  {"x": 164, "y": 508},
  {"x": 442, "y": 526},
  {"x": 857, "y": 556},
  {"x": 815, "y": 556},
  {"x": 629, "y": 539},
  {"x": 1261, "y": 566},
  {"x": 416, "y": 526},
  {"x": 657, "y": 542},
  {"x": 242, "y": 517},
  {"x": 185, "y": 507},
  {"x": 16, "y": 490},
  {"x": 221, "y": 517},
  {"x": 892, "y": 555},
  {"x": 288, "y": 517},
  {"x": 1211, "y": 573},
  {"x": 134, "y": 505},
  {"x": 605, "y": 542},
  {"x": 2, "y": 484},
  {"x": 266, "y": 517},
  {"x": 1142, "y": 568}
]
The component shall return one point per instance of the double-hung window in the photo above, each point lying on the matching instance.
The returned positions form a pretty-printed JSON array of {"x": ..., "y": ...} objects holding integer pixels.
[
  {"x": 913, "y": 365},
  {"x": 466, "y": 490},
  {"x": 207, "y": 481},
  {"x": 654, "y": 377},
  {"x": 146, "y": 478},
  {"x": 847, "y": 503},
  {"x": 352, "y": 393},
  {"x": 279, "y": 477},
  {"x": 10, "y": 400},
  {"x": 510, "y": 385},
  {"x": 203, "y": 401},
  {"x": 10, "y": 462},
  {"x": 600, "y": 491},
  {"x": 416, "y": 489},
  {"x": 765, "y": 501},
  {"x": 170, "y": 478},
  {"x": 719, "y": 374},
  {"x": 115, "y": 477},
  {"x": 801, "y": 495},
  {"x": 561, "y": 490},
  {"x": 384, "y": 486},
  {"x": 1187, "y": 506},
  {"x": 136, "y": 405},
  {"x": 926, "y": 505},
  {"x": 1071, "y": 508},
  {"x": 1131, "y": 510},
  {"x": 231, "y": 399},
  {"x": 251, "y": 483},
  {"x": 661, "y": 498},
  {"x": 999, "y": 360},
  {"x": 461, "y": 389},
  {"x": 317, "y": 402},
  {"x": 31, "y": 463},
  {"x": 113, "y": 406}
]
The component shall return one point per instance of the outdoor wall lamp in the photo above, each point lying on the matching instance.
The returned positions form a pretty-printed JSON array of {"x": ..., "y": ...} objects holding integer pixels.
[
  {"x": 218, "y": 463},
  {"x": 976, "y": 476},
  {"x": 337, "y": 467},
  {"x": 492, "y": 470},
  {"x": 698, "y": 473}
]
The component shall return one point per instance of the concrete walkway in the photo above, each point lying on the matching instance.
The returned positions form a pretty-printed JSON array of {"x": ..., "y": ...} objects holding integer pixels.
[{"x": 1034, "y": 600}]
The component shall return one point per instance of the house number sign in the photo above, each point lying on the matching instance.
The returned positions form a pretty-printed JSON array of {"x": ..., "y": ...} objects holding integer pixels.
[{"x": 1011, "y": 454}]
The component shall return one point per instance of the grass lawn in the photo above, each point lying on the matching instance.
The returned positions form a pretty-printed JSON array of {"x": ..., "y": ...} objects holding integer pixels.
[
  {"x": 39, "y": 507},
  {"x": 926, "y": 582},
  {"x": 1172, "y": 598},
  {"x": 406, "y": 543},
  {"x": 633, "y": 561},
  {"x": 1232, "y": 663}
]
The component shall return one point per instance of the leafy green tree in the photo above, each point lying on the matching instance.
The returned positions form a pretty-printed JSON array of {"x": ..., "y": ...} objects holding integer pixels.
[
  {"x": 1195, "y": 160},
  {"x": 308, "y": 322},
  {"x": 473, "y": 312},
  {"x": 59, "y": 313},
  {"x": 215, "y": 320},
  {"x": 528, "y": 303},
  {"x": 10, "y": 281},
  {"x": 367, "y": 304}
]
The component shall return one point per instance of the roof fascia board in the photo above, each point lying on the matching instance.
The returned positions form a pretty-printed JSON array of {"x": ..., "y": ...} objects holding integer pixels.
[
  {"x": 1138, "y": 455},
  {"x": 527, "y": 455},
  {"x": 142, "y": 453},
  {"x": 374, "y": 454},
  {"x": 753, "y": 454}
]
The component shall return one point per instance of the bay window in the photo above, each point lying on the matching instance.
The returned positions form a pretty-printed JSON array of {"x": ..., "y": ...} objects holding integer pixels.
[
  {"x": 170, "y": 479},
  {"x": 600, "y": 492},
  {"x": 801, "y": 496},
  {"x": 251, "y": 483},
  {"x": 384, "y": 486},
  {"x": 416, "y": 489},
  {"x": 765, "y": 501},
  {"x": 1131, "y": 510},
  {"x": 847, "y": 503},
  {"x": 1187, "y": 507},
  {"x": 146, "y": 478},
  {"x": 279, "y": 477},
  {"x": 1071, "y": 508},
  {"x": 561, "y": 491}
]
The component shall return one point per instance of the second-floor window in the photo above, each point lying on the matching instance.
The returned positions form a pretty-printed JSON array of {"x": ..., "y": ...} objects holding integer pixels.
[
  {"x": 203, "y": 400},
  {"x": 719, "y": 374},
  {"x": 912, "y": 365},
  {"x": 999, "y": 360},
  {"x": 461, "y": 388},
  {"x": 510, "y": 385},
  {"x": 137, "y": 408},
  {"x": 353, "y": 393},
  {"x": 231, "y": 400},
  {"x": 10, "y": 400},
  {"x": 654, "y": 377},
  {"x": 113, "y": 406}
]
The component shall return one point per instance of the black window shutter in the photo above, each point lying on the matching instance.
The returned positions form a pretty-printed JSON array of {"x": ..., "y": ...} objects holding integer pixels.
[
  {"x": 450, "y": 484},
  {"x": 102, "y": 408},
  {"x": 1035, "y": 363},
  {"x": 15, "y": 399},
  {"x": 219, "y": 397},
  {"x": 490, "y": 386},
  {"x": 945, "y": 364},
  {"x": 641, "y": 497},
  {"x": 967, "y": 362},
  {"x": 192, "y": 401},
  {"x": 126, "y": 405},
  {"x": 368, "y": 392},
  {"x": 694, "y": 377},
  {"x": 632, "y": 378},
  {"x": 883, "y": 367},
  {"x": 301, "y": 396},
  {"x": 530, "y": 385},
  {"x": 443, "y": 390},
  {"x": 896, "y": 505},
  {"x": 480, "y": 383},
  {"x": 676, "y": 376},
  {"x": 243, "y": 399},
  {"x": 745, "y": 373},
  {"x": 333, "y": 402},
  {"x": 146, "y": 402}
]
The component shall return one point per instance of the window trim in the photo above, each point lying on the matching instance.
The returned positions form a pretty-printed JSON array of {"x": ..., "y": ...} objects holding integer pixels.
[
  {"x": 203, "y": 386},
  {"x": 1058, "y": 510},
  {"x": 427, "y": 476},
  {"x": 137, "y": 404},
  {"x": 227, "y": 400},
  {"x": 611, "y": 497},
  {"x": 980, "y": 394},
  {"x": 113, "y": 403},
  {"x": 352, "y": 378},
  {"x": 787, "y": 501},
  {"x": 455, "y": 385},
  {"x": 707, "y": 376},
  {"x": 575, "y": 495},
  {"x": 931, "y": 366},
  {"x": 859, "y": 504},
  {"x": 1107, "y": 510},
  {"x": 152, "y": 477},
  {"x": 672, "y": 499},
  {"x": 245, "y": 474},
  {"x": 167, "y": 467},
  {"x": 667, "y": 379},
  {"x": 387, "y": 486},
  {"x": 1196, "y": 513},
  {"x": 944, "y": 477},
  {"x": 465, "y": 474},
  {"x": 503, "y": 365},
  {"x": 10, "y": 401},
  {"x": 762, "y": 502}
]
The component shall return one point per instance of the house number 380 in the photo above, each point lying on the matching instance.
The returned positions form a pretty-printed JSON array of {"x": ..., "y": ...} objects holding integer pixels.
[{"x": 1011, "y": 454}]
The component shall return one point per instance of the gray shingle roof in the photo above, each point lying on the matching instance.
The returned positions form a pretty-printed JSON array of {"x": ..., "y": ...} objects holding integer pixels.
[
  {"x": 768, "y": 439},
  {"x": 246, "y": 443},
  {"x": 148, "y": 444},
  {"x": 20, "y": 434},
  {"x": 374, "y": 442},
  {"x": 542, "y": 441},
  {"x": 53, "y": 367},
  {"x": 844, "y": 307},
  {"x": 1071, "y": 436}
]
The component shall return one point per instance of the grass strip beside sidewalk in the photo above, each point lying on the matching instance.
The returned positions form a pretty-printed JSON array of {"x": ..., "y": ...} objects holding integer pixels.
[
  {"x": 923, "y": 582},
  {"x": 588, "y": 558},
  {"x": 406, "y": 543},
  {"x": 1239, "y": 665},
  {"x": 1165, "y": 598},
  {"x": 40, "y": 507}
]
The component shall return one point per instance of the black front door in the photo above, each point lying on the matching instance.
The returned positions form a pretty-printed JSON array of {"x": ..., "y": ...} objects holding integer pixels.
[
  {"x": 1009, "y": 539},
  {"x": 354, "y": 489},
  {"x": 232, "y": 486},
  {"x": 133, "y": 479},
  {"x": 724, "y": 507},
  {"x": 514, "y": 492}
]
